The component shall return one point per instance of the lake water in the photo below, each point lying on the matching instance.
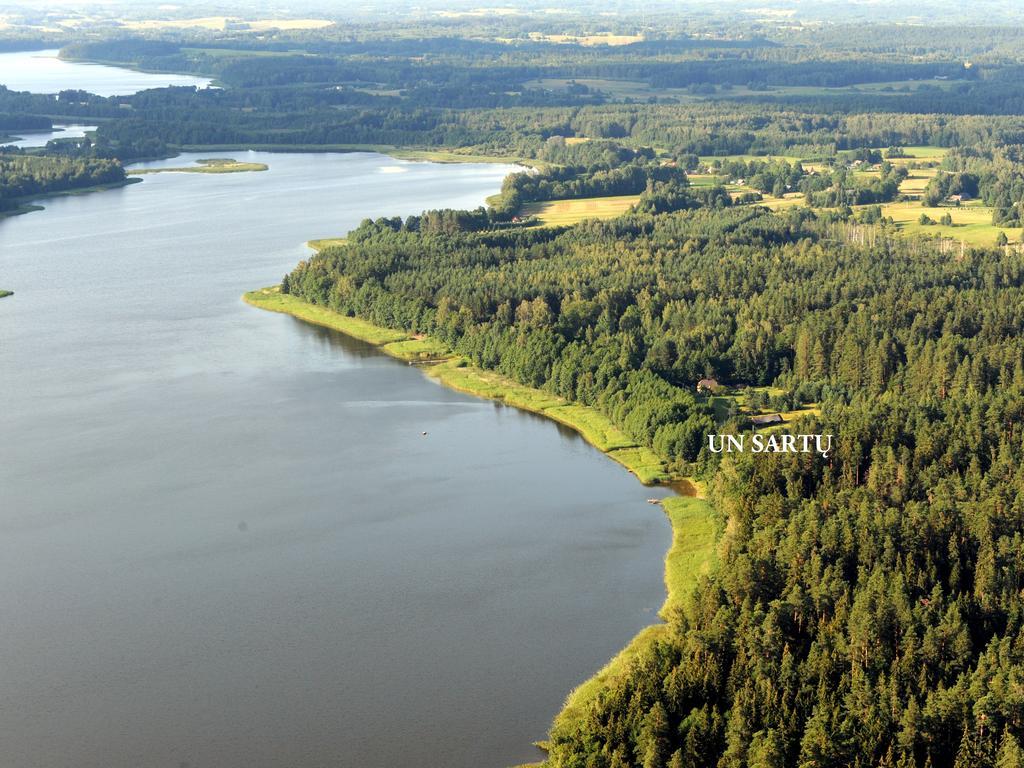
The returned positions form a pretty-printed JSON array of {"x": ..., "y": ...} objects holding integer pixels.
[
  {"x": 43, "y": 72},
  {"x": 28, "y": 139},
  {"x": 224, "y": 541}
]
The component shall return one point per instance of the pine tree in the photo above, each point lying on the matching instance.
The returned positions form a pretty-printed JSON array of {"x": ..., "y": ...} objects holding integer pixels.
[{"x": 1010, "y": 754}]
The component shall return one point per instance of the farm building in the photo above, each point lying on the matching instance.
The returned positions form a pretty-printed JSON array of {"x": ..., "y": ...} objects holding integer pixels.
[
  {"x": 764, "y": 421},
  {"x": 707, "y": 385}
]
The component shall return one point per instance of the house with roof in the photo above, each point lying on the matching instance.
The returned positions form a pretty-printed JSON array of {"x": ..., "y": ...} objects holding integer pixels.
[{"x": 707, "y": 385}]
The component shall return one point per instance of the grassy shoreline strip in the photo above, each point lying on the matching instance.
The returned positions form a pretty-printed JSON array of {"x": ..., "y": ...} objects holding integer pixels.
[
  {"x": 326, "y": 242},
  {"x": 692, "y": 554},
  {"x": 274, "y": 301}
]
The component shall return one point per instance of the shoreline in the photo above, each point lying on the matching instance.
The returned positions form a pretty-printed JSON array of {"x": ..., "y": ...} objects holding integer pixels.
[
  {"x": 26, "y": 204},
  {"x": 133, "y": 67},
  {"x": 693, "y": 549},
  {"x": 453, "y": 371},
  {"x": 414, "y": 154}
]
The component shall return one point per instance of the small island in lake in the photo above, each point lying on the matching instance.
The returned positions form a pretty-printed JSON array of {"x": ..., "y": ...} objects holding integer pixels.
[
  {"x": 5, "y": 294},
  {"x": 208, "y": 165}
]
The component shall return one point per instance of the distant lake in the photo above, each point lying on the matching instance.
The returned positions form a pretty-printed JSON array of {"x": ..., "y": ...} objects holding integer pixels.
[
  {"x": 43, "y": 72},
  {"x": 28, "y": 139},
  {"x": 224, "y": 541}
]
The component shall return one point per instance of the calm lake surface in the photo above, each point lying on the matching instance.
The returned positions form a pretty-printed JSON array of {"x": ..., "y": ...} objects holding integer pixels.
[
  {"x": 28, "y": 139},
  {"x": 43, "y": 72},
  {"x": 224, "y": 541}
]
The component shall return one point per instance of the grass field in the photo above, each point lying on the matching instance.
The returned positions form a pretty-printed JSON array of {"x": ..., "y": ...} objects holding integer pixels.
[
  {"x": 972, "y": 223},
  {"x": 917, "y": 153},
  {"x": 789, "y": 200},
  {"x": 560, "y": 213},
  {"x": 704, "y": 179},
  {"x": 917, "y": 180},
  {"x": 208, "y": 165},
  {"x": 605, "y": 38}
]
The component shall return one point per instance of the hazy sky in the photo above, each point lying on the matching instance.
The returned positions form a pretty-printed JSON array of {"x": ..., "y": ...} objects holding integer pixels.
[{"x": 889, "y": 11}]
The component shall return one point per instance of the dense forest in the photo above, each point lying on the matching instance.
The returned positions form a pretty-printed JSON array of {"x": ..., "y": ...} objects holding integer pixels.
[
  {"x": 867, "y": 610},
  {"x": 29, "y": 176}
]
